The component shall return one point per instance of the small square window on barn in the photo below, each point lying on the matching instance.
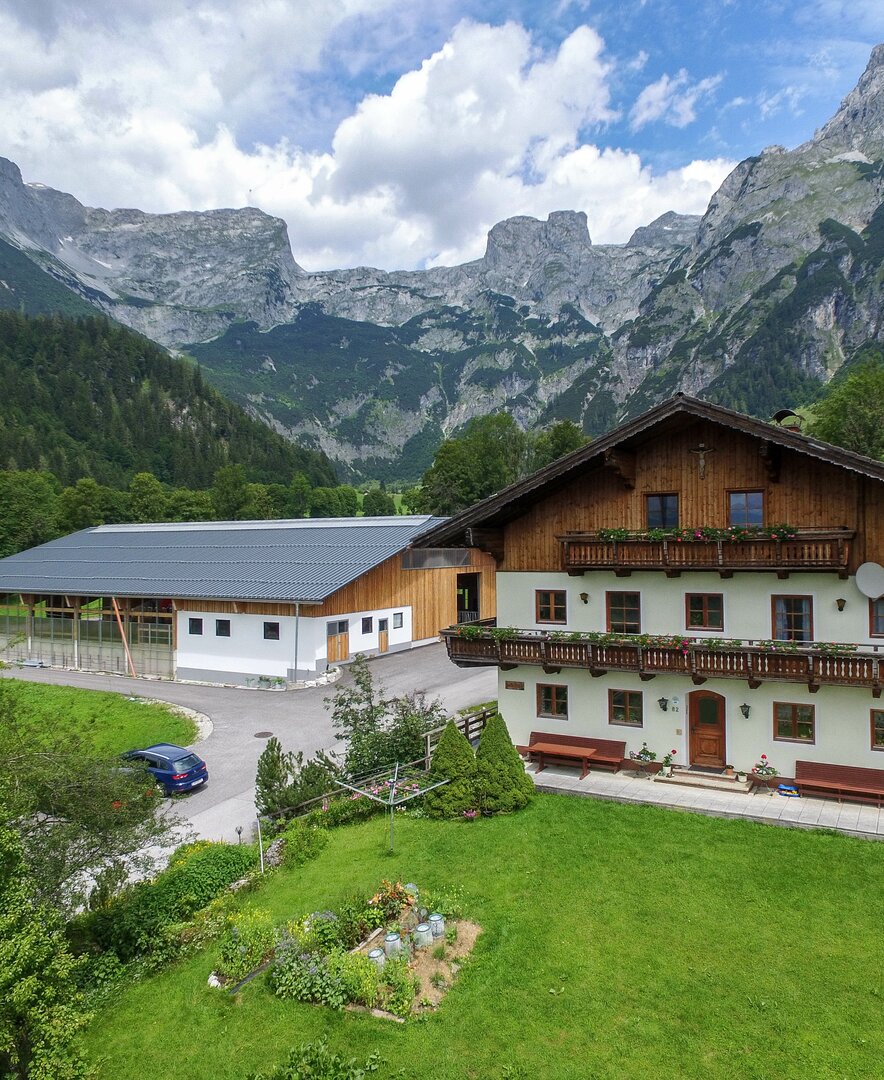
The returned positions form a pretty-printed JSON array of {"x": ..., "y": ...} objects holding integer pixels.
[
  {"x": 222, "y": 628},
  {"x": 194, "y": 626},
  {"x": 367, "y": 624},
  {"x": 271, "y": 631}
]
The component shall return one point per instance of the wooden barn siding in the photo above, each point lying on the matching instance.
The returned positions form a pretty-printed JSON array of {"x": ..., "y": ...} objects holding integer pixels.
[
  {"x": 239, "y": 607},
  {"x": 808, "y": 493},
  {"x": 431, "y": 594}
]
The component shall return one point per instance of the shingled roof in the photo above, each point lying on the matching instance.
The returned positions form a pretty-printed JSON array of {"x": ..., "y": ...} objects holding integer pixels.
[
  {"x": 511, "y": 502},
  {"x": 304, "y": 560}
]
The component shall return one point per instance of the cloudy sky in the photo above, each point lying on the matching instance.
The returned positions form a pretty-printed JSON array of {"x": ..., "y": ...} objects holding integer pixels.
[{"x": 394, "y": 133}]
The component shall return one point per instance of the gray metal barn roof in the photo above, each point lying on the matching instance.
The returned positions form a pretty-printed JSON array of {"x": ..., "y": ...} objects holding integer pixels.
[{"x": 305, "y": 560}]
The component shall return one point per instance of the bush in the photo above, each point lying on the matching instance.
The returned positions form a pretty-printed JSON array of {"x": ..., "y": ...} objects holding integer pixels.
[
  {"x": 501, "y": 781},
  {"x": 316, "y": 1061},
  {"x": 284, "y": 780},
  {"x": 132, "y": 924},
  {"x": 307, "y": 976},
  {"x": 356, "y": 920},
  {"x": 453, "y": 760},
  {"x": 249, "y": 938},
  {"x": 303, "y": 842},
  {"x": 360, "y": 978},
  {"x": 343, "y": 810},
  {"x": 398, "y": 988}
]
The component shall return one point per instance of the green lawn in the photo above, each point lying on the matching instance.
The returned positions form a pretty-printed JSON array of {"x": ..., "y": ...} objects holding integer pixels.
[
  {"x": 619, "y": 942},
  {"x": 106, "y": 723}
]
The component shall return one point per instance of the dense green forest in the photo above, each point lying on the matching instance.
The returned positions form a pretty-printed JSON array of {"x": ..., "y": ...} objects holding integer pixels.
[{"x": 88, "y": 398}]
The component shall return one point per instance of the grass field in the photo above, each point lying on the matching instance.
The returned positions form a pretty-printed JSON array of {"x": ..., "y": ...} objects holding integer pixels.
[
  {"x": 619, "y": 942},
  {"x": 105, "y": 723}
]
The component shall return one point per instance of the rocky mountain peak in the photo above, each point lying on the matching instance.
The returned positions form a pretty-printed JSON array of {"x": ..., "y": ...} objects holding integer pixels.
[
  {"x": 667, "y": 231},
  {"x": 859, "y": 123},
  {"x": 519, "y": 240}
]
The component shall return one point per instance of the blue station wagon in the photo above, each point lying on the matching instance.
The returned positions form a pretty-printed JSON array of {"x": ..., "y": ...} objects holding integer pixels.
[{"x": 175, "y": 768}]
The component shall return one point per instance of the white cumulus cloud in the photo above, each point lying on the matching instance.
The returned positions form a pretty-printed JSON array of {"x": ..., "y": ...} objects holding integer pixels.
[
  {"x": 169, "y": 107},
  {"x": 672, "y": 99}
]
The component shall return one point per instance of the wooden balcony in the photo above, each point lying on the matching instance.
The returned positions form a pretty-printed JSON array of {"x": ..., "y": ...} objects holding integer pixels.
[
  {"x": 815, "y": 666},
  {"x": 809, "y": 550}
]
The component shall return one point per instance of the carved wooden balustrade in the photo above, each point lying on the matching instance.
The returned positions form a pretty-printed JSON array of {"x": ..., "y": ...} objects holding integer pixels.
[
  {"x": 815, "y": 666},
  {"x": 809, "y": 549}
]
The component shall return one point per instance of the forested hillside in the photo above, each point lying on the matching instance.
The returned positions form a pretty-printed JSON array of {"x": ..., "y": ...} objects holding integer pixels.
[{"x": 85, "y": 397}]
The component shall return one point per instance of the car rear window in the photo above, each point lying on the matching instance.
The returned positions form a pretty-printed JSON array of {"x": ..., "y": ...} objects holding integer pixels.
[{"x": 185, "y": 763}]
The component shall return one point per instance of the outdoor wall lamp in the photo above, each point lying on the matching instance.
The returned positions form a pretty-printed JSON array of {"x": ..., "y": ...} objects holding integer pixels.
[
  {"x": 584, "y": 596},
  {"x": 745, "y": 709},
  {"x": 841, "y": 603},
  {"x": 663, "y": 702}
]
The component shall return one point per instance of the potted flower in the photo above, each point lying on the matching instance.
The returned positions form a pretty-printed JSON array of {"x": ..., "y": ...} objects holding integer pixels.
[
  {"x": 763, "y": 772},
  {"x": 666, "y": 769},
  {"x": 644, "y": 757},
  {"x": 741, "y": 776},
  {"x": 729, "y": 770}
]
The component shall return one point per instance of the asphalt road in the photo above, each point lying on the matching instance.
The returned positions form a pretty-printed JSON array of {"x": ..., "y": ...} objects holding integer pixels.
[{"x": 298, "y": 718}]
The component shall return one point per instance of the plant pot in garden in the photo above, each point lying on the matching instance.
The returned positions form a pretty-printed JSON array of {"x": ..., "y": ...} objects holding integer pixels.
[
  {"x": 666, "y": 770},
  {"x": 741, "y": 777}
]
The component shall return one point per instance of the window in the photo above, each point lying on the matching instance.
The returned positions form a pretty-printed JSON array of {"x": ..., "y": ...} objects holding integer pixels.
[
  {"x": 625, "y": 707},
  {"x": 794, "y": 723},
  {"x": 271, "y": 631},
  {"x": 878, "y": 729},
  {"x": 341, "y": 626},
  {"x": 792, "y": 618},
  {"x": 397, "y": 620},
  {"x": 704, "y": 611},
  {"x": 745, "y": 508},
  {"x": 624, "y": 612},
  {"x": 367, "y": 624},
  {"x": 550, "y": 606},
  {"x": 194, "y": 626},
  {"x": 552, "y": 701},
  {"x": 222, "y": 628},
  {"x": 661, "y": 511},
  {"x": 876, "y": 617}
]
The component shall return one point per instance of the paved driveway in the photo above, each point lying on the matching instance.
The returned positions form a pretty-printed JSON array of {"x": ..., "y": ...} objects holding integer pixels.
[{"x": 297, "y": 718}]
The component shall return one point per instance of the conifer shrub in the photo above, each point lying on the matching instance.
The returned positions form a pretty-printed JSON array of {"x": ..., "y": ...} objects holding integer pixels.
[
  {"x": 453, "y": 760},
  {"x": 502, "y": 785}
]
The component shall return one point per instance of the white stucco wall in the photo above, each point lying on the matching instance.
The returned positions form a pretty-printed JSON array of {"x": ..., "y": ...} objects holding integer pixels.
[
  {"x": 747, "y": 602},
  {"x": 842, "y": 714}
]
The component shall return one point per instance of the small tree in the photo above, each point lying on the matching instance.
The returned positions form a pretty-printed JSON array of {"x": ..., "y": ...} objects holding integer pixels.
[
  {"x": 501, "y": 780},
  {"x": 453, "y": 760},
  {"x": 380, "y": 731},
  {"x": 41, "y": 1010},
  {"x": 284, "y": 780}
]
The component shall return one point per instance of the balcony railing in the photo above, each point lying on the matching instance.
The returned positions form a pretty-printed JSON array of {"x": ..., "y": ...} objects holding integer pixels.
[
  {"x": 815, "y": 664},
  {"x": 809, "y": 549}
]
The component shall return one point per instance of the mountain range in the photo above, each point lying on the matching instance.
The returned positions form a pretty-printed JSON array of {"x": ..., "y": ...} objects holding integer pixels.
[{"x": 754, "y": 304}]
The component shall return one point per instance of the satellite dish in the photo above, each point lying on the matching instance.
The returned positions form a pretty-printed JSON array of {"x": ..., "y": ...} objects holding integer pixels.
[{"x": 870, "y": 580}]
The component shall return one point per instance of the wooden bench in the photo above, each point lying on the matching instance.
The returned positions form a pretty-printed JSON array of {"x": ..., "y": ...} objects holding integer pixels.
[
  {"x": 606, "y": 752},
  {"x": 841, "y": 781}
]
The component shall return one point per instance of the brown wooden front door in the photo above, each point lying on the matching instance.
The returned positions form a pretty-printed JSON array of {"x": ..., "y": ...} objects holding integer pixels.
[
  {"x": 706, "y": 713},
  {"x": 383, "y": 635},
  {"x": 337, "y": 641}
]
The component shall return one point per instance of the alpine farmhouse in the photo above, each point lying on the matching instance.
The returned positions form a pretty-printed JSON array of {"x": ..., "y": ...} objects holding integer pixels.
[
  {"x": 696, "y": 580},
  {"x": 238, "y": 602}
]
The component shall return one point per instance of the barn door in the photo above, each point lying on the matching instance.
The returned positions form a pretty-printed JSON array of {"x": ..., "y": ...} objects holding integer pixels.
[
  {"x": 337, "y": 641},
  {"x": 383, "y": 635}
]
